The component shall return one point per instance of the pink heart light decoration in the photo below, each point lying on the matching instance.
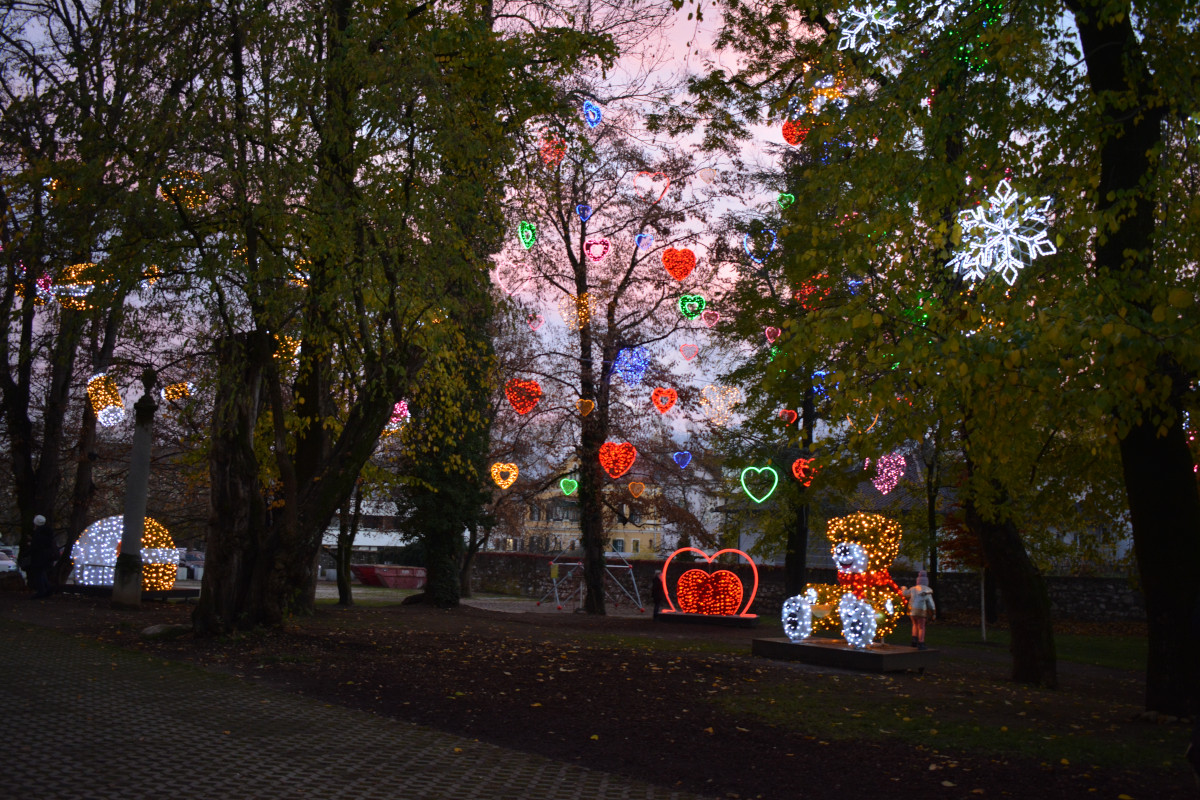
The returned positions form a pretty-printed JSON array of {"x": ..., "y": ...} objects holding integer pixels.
[
  {"x": 512, "y": 277},
  {"x": 646, "y": 185},
  {"x": 596, "y": 249},
  {"x": 888, "y": 471},
  {"x": 535, "y": 321},
  {"x": 772, "y": 333},
  {"x": 689, "y": 351},
  {"x": 710, "y": 318}
]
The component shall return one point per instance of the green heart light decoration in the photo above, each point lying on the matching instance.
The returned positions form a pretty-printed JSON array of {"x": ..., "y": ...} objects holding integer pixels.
[
  {"x": 568, "y": 486},
  {"x": 785, "y": 199},
  {"x": 756, "y": 472},
  {"x": 692, "y": 305},
  {"x": 527, "y": 232}
]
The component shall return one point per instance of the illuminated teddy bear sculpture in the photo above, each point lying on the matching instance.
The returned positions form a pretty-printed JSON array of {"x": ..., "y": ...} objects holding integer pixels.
[{"x": 865, "y": 603}]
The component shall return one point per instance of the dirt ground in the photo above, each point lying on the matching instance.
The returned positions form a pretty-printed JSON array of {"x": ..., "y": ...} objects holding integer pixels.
[{"x": 675, "y": 705}]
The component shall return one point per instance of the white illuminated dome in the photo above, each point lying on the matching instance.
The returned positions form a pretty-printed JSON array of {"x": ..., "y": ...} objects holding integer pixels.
[{"x": 95, "y": 554}]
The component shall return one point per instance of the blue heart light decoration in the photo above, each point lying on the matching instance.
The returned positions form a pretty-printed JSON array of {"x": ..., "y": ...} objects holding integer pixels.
[
  {"x": 682, "y": 458},
  {"x": 584, "y": 212},
  {"x": 631, "y": 364},
  {"x": 591, "y": 113},
  {"x": 749, "y": 252},
  {"x": 644, "y": 241}
]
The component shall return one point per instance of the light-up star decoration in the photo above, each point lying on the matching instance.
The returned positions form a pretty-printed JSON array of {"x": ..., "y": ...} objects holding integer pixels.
[
  {"x": 863, "y": 28},
  {"x": 1003, "y": 235}
]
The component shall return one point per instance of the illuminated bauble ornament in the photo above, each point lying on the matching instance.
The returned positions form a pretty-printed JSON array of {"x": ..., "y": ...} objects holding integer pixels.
[
  {"x": 591, "y": 114},
  {"x": 788, "y": 415},
  {"x": 760, "y": 476},
  {"x": 522, "y": 394},
  {"x": 95, "y": 554},
  {"x": 617, "y": 458},
  {"x": 689, "y": 351},
  {"x": 785, "y": 200},
  {"x": 400, "y": 416},
  {"x": 710, "y": 318},
  {"x": 1003, "y": 235},
  {"x": 679, "y": 263},
  {"x": 568, "y": 486},
  {"x": 535, "y": 321},
  {"x": 631, "y": 364},
  {"x": 584, "y": 211},
  {"x": 43, "y": 287},
  {"x": 708, "y": 174},
  {"x": 772, "y": 333},
  {"x": 596, "y": 249},
  {"x": 75, "y": 283},
  {"x": 663, "y": 399},
  {"x": 585, "y": 407},
  {"x": 798, "y": 614},
  {"x": 177, "y": 391},
  {"x": 718, "y": 402},
  {"x": 150, "y": 276},
  {"x": 636, "y": 488},
  {"x": 716, "y": 593},
  {"x": 646, "y": 185},
  {"x": 552, "y": 149},
  {"x": 511, "y": 277},
  {"x": 644, "y": 241},
  {"x": 888, "y": 472},
  {"x": 577, "y": 312},
  {"x": 794, "y": 132},
  {"x": 858, "y": 621},
  {"x": 805, "y": 470},
  {"x": 682, "y": 458},
  {"x": 185, "y": 187},
  {"x": 527, "y": 233},
  {"x": 747, "y": 242},
  {"x": 691, "y": 305},
  {"x": 504, "y": 474},
  {"x": 105, "y": 397},
  {"x": 863, "y": 28}
]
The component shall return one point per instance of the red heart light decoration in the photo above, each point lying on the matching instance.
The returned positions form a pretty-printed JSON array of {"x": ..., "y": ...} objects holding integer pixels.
[
  {"x": 721, "y": 587},
  {"x": 645, "y": 183},
  {"x": 552, "y": 150},
  {"x": 772, "y": 333},
  {"x": 636, "y": 488},
  {"x": 718, "y": 594},
  {"x": 617, "y": 458},
  {"x": 689, "y": 351},
  {"x": 596, "y": 249},
  {"x": 523, "y": 395},
  {"x": 710, "y": 318},
  {"x": 804, "y": 470},
  {"x": 663, "y": 399},
  {"x": 679, "y": 263},
  {"x": 788, "y": 414},
  {"x": 794, "y": 132}
]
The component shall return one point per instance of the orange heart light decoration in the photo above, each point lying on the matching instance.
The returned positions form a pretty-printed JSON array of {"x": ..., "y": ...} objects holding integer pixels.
[
  {"x": 522, "y": 394},
  {"x": 577, "y": 311},
  {"x": 708, "y": 174},
  {"x": 679, "y": 263},
  {"x": 596, "y": 249},
  {"x": 646, "y": 185},
  {"x": 789, "y": 415},
  {"x": 505, "y": 475},
  {"x": 617, "y": 458},
  {"x": 585, "y": 407},
  {"x": 718, "y": 402},
  {"x": 717, "y": 593},
  {"x": 663, "y": 399},
  {"x": 636, "y": 488}
]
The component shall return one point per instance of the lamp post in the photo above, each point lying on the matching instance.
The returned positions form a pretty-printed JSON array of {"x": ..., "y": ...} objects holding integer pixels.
[{"x": 127, "y": 578}]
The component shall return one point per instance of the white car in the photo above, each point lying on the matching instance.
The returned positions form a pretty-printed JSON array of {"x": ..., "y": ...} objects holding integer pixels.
[{"x": 7, "y": 564}]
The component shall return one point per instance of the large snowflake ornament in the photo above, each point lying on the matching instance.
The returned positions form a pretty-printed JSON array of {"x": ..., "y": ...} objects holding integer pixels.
[
  {"x": 1003, "y": 235},
  {"x": 863, "y": 28}
]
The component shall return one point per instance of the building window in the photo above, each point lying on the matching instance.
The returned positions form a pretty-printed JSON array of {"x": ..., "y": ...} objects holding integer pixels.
[
  {"x": 618, "y": 545},
  {"x": 635, "y": 516},
  {"x": 637, "y": 545},
  {"x": 508, "y": 544},
  {"x": 534, "y": 514}
]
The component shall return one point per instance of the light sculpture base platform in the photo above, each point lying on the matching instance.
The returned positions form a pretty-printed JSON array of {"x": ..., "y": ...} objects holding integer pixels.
[
  {"x": 727, "y": 620},
  {"x": 836, "y": 653}
]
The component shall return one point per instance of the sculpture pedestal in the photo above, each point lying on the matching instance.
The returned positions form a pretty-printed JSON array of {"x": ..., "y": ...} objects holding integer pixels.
[
  {"x": 836, "y": 653},
  {"x": 728, "y": 620}
]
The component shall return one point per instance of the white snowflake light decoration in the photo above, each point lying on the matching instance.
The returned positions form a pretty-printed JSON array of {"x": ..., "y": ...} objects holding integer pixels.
[
  {"x": 1003, "y": 235},
  {"x": 863, "y": 28}
]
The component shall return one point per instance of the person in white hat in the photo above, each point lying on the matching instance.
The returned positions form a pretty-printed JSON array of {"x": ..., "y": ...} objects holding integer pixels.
[{"x": 43, "y": 552}]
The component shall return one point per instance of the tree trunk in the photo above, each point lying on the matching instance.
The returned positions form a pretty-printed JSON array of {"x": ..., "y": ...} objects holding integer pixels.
[
  {"x": 443, "y": 546},
  {"x": 795, "y": 559},
  {"x": 1025, "y": 599},
  {"x": 347, "y": 530},
  {"x": 591, "y": 520}
]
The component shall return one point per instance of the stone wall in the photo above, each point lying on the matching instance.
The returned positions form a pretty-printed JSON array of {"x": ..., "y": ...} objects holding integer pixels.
[{"x": 528, "y": 575}]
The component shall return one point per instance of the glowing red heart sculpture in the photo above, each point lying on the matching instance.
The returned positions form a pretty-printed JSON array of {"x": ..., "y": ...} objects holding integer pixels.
[
  {"x": 523, "y": 395},
  {"x": 788, "y": 414},
  {"x": 701, "y": 593},
  {"x": 794, "y": 132},
  {"x": 552, "y": 150},
  {"x": 679, "y": 263},
  {"x": 804, "y": 470},
  {"x": 617, "y": 458},
  {"x": 663, "y": 399},
  {"x": 712, "y": 593}
]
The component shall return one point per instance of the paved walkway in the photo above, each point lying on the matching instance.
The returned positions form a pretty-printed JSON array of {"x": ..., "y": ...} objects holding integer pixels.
[{"x": 92, "y": 722}]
